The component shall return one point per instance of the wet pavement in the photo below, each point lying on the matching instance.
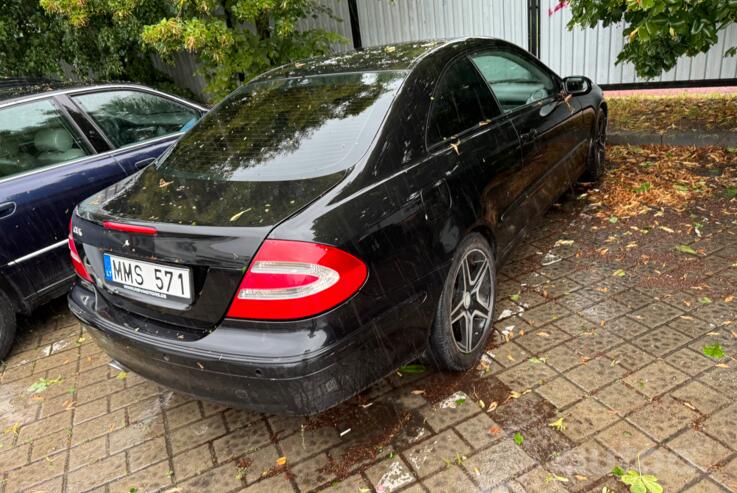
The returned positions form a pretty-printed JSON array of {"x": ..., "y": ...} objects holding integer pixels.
[{"x": 599, "y": 363}]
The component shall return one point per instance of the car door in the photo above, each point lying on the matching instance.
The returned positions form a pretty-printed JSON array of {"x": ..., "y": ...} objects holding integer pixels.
[
  {"x": 468, "y": 135},
  {"x": 437, "y": 146},
  {"x": 46, "y": 168},
  {"x": 550, "y": 128},
  {"x": 140, "y": 125}
]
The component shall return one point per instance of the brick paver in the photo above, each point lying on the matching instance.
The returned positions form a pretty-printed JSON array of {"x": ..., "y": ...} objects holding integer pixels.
[{"x": 619, "y": 357}]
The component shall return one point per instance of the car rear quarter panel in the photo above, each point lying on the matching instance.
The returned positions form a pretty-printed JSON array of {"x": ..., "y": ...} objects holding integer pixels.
[{"x": 396, "y": 212}]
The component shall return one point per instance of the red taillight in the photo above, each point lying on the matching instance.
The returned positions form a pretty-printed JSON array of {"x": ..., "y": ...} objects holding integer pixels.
[
  {"x": 79, "y": 267},
  {"x": 295, "y": 279},
  {"x": 129, "y": 228}
]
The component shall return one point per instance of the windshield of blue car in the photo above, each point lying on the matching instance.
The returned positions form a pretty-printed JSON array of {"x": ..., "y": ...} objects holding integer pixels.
[{"x": 289, "y": 128}]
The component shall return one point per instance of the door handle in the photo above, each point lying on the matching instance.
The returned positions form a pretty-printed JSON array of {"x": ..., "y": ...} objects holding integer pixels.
[
  {"x": 144, "y": 162},
  {"x": 7, "y": 209}
]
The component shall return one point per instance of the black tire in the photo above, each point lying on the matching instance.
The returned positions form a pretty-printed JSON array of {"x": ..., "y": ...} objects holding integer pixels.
[
  {"x": 464, "y": 316},
  {"x": 7, "y": 325},
  {"x": 597, "y": 150}
]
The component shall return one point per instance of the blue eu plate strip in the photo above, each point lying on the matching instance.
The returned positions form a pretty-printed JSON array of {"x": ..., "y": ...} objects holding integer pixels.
[{"x": 108, "y": 267}]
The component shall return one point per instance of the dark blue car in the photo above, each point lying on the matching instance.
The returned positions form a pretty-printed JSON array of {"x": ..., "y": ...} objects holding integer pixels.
[{"x": 59, "y": 145}]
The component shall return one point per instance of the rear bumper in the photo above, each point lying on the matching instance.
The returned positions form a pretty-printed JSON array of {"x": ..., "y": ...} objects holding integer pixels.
[{"x": 225, "y": 366}]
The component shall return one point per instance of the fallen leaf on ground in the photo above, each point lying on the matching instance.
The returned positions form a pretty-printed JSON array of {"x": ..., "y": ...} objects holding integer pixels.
[
  {"x": 516, "y": 395},
  {"x": 714, "y": 351},
  {"x": 686, "y": 249},
  {"x": 555, "y": 477},
  {"x": 563, "y": 242},
  {"x": 42, "y": 384},
  {"x": 558, "y": 424}
]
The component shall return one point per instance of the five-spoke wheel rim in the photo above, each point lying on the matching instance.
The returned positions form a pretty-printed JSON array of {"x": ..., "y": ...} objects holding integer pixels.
[{"x": 472, "y": 301}]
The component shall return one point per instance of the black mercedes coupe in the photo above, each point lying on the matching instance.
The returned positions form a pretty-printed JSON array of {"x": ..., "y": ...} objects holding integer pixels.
[{"x": 331, "y": 221}]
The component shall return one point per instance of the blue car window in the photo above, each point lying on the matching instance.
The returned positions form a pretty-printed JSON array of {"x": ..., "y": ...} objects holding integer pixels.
[
  {"x": 129, "y": 117},
  {"x": 34, "y": 135}
]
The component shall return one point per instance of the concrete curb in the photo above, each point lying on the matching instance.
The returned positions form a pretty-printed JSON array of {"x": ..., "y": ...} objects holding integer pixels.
[{"x": 725, "y": 139}]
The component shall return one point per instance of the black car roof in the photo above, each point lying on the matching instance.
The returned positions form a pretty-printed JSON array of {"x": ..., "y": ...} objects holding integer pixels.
[{"x": 400, "y": 56}]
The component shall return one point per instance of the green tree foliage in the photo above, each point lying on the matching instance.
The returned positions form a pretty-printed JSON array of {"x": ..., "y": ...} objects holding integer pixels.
[
  {"x": 102, "y": 37},
  {"x": 37, "y": 37},
  {"x": 658, "y": 32},
  {"x": 114, "y": 39},
  {"x": 237, "y": 39},
  {"x": 29, "y": 40}
]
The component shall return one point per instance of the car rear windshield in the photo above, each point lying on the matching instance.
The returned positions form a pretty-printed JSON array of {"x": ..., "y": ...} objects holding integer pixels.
[{"x": 285, "y": 129}]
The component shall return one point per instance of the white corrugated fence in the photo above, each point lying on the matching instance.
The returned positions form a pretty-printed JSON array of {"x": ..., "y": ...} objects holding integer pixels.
[
  {"x": 384, "y": 21},
  {"x": 590, "y": 52}
]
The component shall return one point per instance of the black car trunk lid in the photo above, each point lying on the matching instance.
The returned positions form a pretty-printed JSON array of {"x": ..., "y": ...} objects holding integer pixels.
[{"x": 212, "y": 228}]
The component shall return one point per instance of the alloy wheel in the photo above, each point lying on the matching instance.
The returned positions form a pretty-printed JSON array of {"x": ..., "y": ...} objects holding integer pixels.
[{"x": 472, "y": 302}]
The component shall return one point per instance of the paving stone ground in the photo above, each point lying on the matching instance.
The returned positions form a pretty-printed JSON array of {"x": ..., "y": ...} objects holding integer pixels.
[{"x": 590, "y": 338}]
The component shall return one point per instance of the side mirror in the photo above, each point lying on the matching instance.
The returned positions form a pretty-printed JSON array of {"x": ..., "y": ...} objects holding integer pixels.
[{"x": 577, "y": 85}]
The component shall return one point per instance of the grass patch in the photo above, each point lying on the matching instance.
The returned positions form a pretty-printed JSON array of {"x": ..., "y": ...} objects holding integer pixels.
[{"x": 675, "y": 113}]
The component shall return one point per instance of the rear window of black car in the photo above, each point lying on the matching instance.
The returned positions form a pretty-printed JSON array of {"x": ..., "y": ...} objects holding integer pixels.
[{"x": 285, "y": 129}]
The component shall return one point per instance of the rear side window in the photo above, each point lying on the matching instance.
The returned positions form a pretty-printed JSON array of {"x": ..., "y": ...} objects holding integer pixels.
[
  {"x": 130, "y": 117},
  {"x": 34, "y": 135},
  {"x": 462, "y": 101},
  {"x": 282, "y": 129}
]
